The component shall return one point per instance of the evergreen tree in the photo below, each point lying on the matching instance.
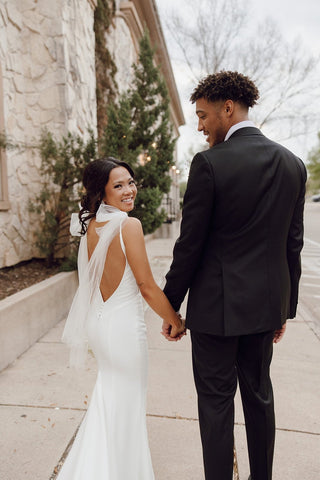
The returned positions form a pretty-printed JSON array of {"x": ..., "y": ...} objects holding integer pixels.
[
  {"x": 62, "y": 166},
  {"x": 117, "y": 136},
  {"x": 139, "y": 132}
]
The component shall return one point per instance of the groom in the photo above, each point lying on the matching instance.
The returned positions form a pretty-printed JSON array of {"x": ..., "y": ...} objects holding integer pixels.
[{"x": 238, "y": 254}]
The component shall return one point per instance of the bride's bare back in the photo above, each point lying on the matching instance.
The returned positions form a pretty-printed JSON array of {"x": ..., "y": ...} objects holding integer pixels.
[
  {"x": 115, "y": 261},
  {"x": 136, "y": 254}
]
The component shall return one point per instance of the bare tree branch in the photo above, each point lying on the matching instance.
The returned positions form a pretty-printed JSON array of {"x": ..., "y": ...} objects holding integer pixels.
[{"x": 211, "y": 35}]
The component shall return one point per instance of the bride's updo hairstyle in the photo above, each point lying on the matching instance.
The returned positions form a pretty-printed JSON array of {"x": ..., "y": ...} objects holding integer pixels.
[{"x": 95, "y": 178}]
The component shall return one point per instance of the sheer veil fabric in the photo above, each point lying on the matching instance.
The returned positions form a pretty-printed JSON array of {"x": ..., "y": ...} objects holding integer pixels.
[{"x": 89, "y": 273}]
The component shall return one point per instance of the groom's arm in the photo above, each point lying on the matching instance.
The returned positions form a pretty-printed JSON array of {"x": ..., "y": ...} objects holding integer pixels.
[
  {"x": 295, "y": 242},
  {"x": 196, "y": 218}
]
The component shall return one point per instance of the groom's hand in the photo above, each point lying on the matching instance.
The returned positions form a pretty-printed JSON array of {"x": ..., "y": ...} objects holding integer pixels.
[
  {"x": 278, "y": 334},
  {"x": 177, "y": 332},
  {"x": 169, "y": 332},
  {"x": 166, "y": 329}
]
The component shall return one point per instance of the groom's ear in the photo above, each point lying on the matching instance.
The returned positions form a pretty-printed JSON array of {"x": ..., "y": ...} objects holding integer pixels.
[{"x": 229, "y": 107}]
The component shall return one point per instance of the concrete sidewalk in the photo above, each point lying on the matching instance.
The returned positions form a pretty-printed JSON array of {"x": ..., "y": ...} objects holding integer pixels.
[{"x": 42, "y": 403}]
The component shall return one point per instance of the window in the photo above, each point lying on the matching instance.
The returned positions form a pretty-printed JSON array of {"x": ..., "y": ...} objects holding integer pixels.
[{"x": 4, "y": 200}]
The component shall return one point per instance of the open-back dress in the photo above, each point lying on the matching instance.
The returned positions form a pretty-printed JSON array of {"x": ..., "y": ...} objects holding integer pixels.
[{"x": 112, "y": 442}]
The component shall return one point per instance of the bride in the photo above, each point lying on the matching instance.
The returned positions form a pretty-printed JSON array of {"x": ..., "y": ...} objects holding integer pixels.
[{"x": 107, "y": 314}]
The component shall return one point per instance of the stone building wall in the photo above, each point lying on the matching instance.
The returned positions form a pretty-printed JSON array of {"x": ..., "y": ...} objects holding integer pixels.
[
  {"x": 48, "y": 76},
  {"x": 47, "y": 64},
  {"x": 124, "y": 53}
]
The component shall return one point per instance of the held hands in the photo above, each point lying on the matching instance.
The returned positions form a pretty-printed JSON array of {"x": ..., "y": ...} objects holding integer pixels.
[{"x": 173, "y": 333}]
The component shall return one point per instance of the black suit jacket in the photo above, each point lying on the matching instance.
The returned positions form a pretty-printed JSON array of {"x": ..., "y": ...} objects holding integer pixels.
[{"x": 241, "y": 237}]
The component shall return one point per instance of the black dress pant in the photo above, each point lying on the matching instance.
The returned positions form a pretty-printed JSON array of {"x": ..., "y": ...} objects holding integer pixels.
[{"x": 217, "y": 363}]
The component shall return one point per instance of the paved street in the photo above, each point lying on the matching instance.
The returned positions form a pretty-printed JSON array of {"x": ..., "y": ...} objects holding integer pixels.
[{"x": 310, "y": 280}]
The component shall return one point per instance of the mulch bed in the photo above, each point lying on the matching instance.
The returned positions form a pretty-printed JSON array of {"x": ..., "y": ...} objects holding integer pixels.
[{"x": 23, "y": 275}]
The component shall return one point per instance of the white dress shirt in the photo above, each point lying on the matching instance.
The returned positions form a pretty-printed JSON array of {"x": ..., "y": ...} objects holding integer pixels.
[{"x": 237, "y": 126}]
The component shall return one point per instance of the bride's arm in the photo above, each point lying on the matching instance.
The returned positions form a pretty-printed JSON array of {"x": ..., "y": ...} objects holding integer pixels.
[{"x": 137, "y": 257}]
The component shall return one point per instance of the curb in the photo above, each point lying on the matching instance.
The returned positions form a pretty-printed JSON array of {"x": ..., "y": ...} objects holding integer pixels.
[{"x": 27, "y": 315}]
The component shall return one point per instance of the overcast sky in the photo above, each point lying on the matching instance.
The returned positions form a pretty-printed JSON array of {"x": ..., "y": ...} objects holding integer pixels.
[{"x": 295, "y": 19}]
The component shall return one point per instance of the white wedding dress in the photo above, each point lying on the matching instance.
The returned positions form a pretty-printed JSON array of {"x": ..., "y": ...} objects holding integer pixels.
[{"x": 112, "y": 442}]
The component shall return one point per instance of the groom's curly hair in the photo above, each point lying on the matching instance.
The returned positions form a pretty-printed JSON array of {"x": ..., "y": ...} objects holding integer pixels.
[{"x": 226, "y": 86}]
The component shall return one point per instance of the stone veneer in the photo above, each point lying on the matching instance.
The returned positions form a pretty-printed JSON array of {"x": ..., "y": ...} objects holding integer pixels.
[
  {"x": 124, "y": 52},
  {"x": 48, "y": 74},
  {"x": 47, "y": 58}
]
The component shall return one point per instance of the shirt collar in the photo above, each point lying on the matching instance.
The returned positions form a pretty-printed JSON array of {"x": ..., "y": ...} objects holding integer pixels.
[{"x": 237, "y": 126}]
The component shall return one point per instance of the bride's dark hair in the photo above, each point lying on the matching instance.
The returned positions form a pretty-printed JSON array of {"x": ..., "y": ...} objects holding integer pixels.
[{"x": 95, "y": 178}]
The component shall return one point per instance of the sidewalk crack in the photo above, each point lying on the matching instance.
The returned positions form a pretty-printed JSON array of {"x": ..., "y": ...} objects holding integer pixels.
[
  {"x": 48, "y": 407},
  {"x": 290, "y": 430}
]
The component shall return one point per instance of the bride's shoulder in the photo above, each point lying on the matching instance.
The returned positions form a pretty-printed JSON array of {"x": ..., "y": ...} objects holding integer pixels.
[
  {"x": 132, "y": 227},
  {"x": 133, "y": 238}
]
